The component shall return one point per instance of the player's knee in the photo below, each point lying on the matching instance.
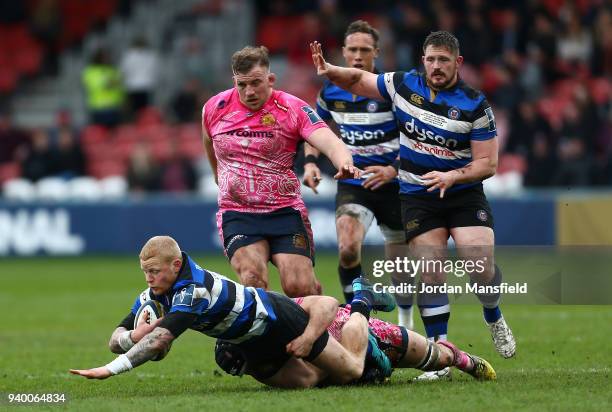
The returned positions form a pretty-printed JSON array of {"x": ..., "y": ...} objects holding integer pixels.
[
  {"x": 298, "y": 287},
  {"x": 306, "y": 380},
  {"x": 352, "y": 373},
  {"x": 349, "y": 254},
  {"x": 252, "y": 277}
]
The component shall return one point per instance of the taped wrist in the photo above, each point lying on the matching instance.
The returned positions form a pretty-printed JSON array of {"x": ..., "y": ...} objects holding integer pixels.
[
  {"x": 125, "y": 340},
  {"x": 310, "y": 159},
  {"x": 119, "y": 365}
]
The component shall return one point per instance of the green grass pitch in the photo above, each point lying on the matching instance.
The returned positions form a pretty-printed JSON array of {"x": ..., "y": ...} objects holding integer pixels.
[{"x": 60, "y": 312}]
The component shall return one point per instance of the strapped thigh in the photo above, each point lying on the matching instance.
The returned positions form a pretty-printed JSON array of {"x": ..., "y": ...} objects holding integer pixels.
[{"x": 430, "y": 360}]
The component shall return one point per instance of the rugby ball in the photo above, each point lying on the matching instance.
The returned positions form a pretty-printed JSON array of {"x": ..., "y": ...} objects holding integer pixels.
[{"x": 153, "y": 308}]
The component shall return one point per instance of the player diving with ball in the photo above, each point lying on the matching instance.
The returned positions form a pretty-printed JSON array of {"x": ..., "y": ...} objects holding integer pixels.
[{"x": 281, "y": 342}]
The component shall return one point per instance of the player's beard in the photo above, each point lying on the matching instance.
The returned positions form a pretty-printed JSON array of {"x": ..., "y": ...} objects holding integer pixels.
[{"x": 444, "y": 85}]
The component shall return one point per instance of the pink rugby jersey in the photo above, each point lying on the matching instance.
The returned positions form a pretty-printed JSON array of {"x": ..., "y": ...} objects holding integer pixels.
[{"x": 255, "y": 150}]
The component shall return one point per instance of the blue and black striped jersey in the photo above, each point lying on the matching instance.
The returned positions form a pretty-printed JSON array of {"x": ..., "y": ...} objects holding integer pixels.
[
  {"x": 225, "y": 309},
  {"x": 366, "y": 126},
  {"x": 435, "y": 134}
]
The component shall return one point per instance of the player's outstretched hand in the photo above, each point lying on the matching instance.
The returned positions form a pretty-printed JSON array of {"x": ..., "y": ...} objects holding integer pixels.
[
  {"x": 378, "y": 176},
  {"x": 96, "y": 373},
  {"x": 300, "y": 347},
  {"x": 440, "y": 180},
  {"x": 317, "y": 58},
  {"x": 312, "y": 176},
  {"x": 348, "y": 171}
]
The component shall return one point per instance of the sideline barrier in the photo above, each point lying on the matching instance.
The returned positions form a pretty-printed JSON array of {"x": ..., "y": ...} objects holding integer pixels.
[{"x": 123, "y": 226}]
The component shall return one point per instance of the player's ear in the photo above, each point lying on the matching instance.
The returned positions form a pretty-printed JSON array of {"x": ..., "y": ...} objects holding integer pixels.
[
  {"x": 271, "y": 78},
  {"x": 376, "y": 50},
  {"x": 459, "y": 60},
  {"x": 176, "y": 264}
]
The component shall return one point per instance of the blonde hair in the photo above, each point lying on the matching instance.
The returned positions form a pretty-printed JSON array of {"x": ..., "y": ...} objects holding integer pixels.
[{"x": 163, "y": 247}]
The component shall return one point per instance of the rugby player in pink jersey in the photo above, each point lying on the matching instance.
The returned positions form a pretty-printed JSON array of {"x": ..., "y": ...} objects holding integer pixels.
[
  {"x": 406, "y": 348},
  {"x": 403, "y": 349},
  {"x": 251, "y": 133}
]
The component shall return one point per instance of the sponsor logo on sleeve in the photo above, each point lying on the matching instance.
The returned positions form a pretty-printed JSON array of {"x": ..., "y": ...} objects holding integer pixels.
[
  {"x": 491, "y": 118},
  {"x": 184, "y": 297},
  {"x": 312, "y": 115}
]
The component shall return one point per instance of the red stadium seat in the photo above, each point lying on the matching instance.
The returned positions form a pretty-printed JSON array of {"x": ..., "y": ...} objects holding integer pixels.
[
  {"x": 601, "y": 90},
  {"x": 192, "y": 149},
  {"x": 127, "y": 132},
  {"x": 8, "y": 79},
  {"x": 511, "y": 162},
  {"x": 104, "y": 168},
  {"x": 191, "y": 131},
  {"x": 9, "y": 171},
  {"x": 28, "y": 60},
  {"x": 150, "y": 116},
  {"x": 273, "y": 32},
  {"x": 94, "y": 134}
]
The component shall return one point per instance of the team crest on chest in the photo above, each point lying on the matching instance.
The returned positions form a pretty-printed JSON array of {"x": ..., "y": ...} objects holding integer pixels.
[
  {"x": 268, "y": 119},
  {"x": 372, "y": 106},
  {"x": 453, "y": 113}
]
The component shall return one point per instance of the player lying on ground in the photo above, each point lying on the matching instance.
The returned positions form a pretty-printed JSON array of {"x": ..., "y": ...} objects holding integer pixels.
[
  {"x": 272, "y": 329},
  {"x": 404, "y": 348}
]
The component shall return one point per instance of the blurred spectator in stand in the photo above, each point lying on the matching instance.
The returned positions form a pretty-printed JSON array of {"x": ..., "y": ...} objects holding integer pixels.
[
  {"x": 310, "y": 28},
  {"x": 46, "y": 26},
  {"x": 38, "y": 160},
  {"x": 527, "y": 125},
  {"x": 63, "y": 121},
  {"x": 601, "y": 62},
  {"x": 178, "y": 173},
  {"x": 603, "y": 153},
  {"x": 574, "y": 168},
  {"x": 11, "y": 139},
  {"x": 187, "y": 102},
  {"x": 530, "y": 74},
  {"x": 12, "y": 12},
  {"x": 575, "y": 44},
  {"x": 69, "y": 158},
  {"x": 139, "y": 68},
  {"x": 191, "y": 49},
  {"x": 476, "y": 35},
  {"x": 532, "y": 137},
  {"x": 411, "y": 26},
  {"x": 544, "y": 40},
  {"x": 541, "y": 161},
  {"x": 104, "y": 90},
  {"x": 143, "y": 174},
  {"x": 333, "y": 18}
]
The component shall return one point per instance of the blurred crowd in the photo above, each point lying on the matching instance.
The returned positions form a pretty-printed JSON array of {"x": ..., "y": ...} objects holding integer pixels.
[{"x": 545, "y": 66}]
